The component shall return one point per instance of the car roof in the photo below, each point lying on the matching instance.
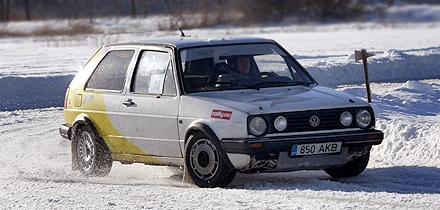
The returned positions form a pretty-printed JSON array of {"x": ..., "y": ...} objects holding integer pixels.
[{"x": 183, "y": 42}]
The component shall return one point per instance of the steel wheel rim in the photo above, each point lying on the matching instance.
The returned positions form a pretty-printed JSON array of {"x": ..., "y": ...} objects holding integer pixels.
[
  {"x": 85, "y": 151},
  {"x": 204, "y": 159}
]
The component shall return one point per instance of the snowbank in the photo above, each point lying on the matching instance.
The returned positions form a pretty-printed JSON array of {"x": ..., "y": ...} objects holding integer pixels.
[
  {"x": 49, "y": 64},
  {"x": 389, "y": 66},
  {"x": 409, "y": 115}
]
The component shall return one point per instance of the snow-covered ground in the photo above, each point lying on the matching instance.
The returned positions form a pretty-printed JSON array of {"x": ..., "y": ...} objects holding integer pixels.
[{"x": 403, "y": 173}]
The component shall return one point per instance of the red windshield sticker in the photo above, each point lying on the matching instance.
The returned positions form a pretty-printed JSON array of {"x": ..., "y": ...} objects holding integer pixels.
[{"x": 221, "y": 114}]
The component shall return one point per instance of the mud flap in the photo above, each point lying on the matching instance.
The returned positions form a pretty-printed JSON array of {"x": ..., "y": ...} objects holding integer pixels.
[
  {"x": 75, "y": 165},
  {"x": 186, "y": 177}
]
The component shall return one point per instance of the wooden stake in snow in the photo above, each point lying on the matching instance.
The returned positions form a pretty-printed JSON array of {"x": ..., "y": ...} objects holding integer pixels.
[{"x": 363, "y": 55}]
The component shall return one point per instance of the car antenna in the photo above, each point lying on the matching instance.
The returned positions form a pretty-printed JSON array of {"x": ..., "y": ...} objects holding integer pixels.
[{"x": 172, "y": 15}]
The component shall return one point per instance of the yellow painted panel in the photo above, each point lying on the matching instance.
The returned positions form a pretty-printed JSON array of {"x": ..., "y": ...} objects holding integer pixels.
[{"x": 91, "y": 104}]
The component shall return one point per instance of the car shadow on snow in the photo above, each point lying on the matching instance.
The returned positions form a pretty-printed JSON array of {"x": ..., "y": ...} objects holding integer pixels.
[{"x": 398, "y": 179}]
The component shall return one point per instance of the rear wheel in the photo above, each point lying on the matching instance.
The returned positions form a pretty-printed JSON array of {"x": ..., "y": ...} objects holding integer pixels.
[
  {"x": 352, "y": 168},
  {"x": 204, "y": 163},
  {"x": 90, "y": 154}
]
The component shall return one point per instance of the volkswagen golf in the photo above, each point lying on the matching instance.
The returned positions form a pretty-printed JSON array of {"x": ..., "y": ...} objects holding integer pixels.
[{"x": 214, "y": 106}]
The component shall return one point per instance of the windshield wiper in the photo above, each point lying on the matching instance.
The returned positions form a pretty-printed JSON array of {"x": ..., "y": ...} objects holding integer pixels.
[
  {"x": 305, "y": 83},
  {"x": 214, "y": 84},
  {"x": 275, "y": 83}
]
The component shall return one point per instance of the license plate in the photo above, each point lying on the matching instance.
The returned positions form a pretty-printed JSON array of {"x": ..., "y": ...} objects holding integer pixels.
[{"x": 315, "y": 149}]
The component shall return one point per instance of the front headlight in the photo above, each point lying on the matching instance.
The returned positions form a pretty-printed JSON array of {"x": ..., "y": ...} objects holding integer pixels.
[
  {"x": 257, "y": 126},
  {"x": 346, "y": 118},
  {"x": 363, "y": 118}
]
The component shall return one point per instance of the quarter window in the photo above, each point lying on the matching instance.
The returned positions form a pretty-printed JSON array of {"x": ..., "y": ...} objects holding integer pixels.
[{"x": 110, "y": 72}]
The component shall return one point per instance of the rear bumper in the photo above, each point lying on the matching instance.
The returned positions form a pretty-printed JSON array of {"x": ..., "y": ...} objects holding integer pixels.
[
  {"x": 65, "y": 131},
  {"x": 254, "y": 146}
]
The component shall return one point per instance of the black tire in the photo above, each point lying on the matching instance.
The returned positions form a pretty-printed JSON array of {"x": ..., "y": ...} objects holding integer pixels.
[
  {"x": 352, "y": 168},
  {"x": 204, "y": 163},
  {"x": 90, "y": 154}
]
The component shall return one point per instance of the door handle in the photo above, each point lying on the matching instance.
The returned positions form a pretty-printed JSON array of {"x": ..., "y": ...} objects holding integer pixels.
[{"x": 128, "y": 102}]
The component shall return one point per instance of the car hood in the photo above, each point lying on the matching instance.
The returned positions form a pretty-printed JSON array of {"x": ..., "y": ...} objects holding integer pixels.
[{"x": 282, "y": 99}]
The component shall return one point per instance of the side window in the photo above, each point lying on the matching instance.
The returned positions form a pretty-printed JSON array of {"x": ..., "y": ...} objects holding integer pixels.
[
  {"x": 110, "y": 72},
  {"x": 154, "y": 74}
]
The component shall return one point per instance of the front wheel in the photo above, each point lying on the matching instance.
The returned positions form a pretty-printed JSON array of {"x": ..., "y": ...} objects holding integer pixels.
[
  {"x": 204, "y": 163},
  {"x": 90, "y": 155},
  {"x": 351, "y": 168}
]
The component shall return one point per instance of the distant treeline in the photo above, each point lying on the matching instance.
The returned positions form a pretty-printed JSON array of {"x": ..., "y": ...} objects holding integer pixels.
[{"x": 211, "y": 11}]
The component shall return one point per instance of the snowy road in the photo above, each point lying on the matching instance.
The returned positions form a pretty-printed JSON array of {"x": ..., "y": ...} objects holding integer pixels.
[{"x": 35, "y": 173}]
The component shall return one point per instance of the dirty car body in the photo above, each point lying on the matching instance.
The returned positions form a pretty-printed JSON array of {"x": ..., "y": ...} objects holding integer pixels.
[{"x": 182, "y": 102}]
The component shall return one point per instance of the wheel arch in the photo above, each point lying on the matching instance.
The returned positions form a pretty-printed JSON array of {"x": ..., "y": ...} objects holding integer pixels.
[
  {"x": 82, "y": 120},
  {"x": 206, "y": 130}
]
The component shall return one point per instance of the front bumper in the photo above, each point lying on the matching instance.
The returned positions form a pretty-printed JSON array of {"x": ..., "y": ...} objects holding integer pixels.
[{"x": 255, "y": 146}]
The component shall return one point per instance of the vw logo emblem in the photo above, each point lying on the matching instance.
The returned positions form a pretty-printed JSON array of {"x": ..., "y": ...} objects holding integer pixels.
[{"x": 314, "y": 121}]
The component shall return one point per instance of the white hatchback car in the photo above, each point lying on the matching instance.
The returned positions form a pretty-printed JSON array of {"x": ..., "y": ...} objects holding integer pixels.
[{"x": 216, "y": 106}]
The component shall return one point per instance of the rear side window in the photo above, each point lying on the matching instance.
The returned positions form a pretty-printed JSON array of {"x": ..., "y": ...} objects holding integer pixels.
[{"x": 111, "y": 71}]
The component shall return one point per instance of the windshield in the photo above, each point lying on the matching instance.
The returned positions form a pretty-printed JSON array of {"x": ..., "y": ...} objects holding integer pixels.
[{"x": 243, "y": 66}]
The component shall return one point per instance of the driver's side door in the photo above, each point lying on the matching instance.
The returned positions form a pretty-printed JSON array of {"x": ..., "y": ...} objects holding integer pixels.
[{"x": 150, "y": 107}]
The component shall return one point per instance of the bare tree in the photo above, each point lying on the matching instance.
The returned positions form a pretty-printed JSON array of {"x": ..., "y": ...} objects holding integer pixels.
[
  {"x": 390, "y": 3},
  {"x": 337, "y": 9},
  {"x": 177, "y": 8},
  {"x": 2, "y": 11},
  {"x": 260, "y": 11},
  {"x": 26, "y": 5},
  {"x": 133, "y": 8},
  {"x": 220, "y": 11},
  {"x": 89, "y": 6},
  {"x": 27, "y": 9},
  {"x": 68, "y": 9},
  {"x": 204, "y": 6},
  {"x": 144, "y": 7},
  {"x": 8, "y": 10}
]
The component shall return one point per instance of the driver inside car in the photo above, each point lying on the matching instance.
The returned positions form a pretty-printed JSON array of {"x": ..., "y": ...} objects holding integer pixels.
[{"x": 240, "y": 69}]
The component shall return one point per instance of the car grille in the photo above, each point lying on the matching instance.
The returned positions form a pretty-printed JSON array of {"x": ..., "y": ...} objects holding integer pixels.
[{"x": 329, "y": 119}]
